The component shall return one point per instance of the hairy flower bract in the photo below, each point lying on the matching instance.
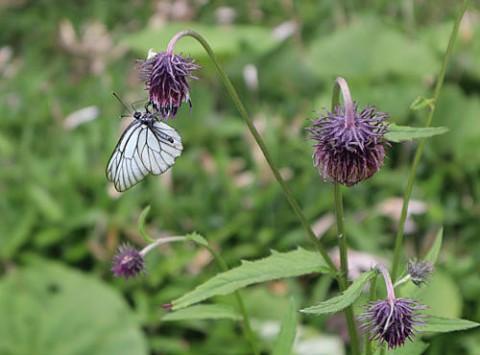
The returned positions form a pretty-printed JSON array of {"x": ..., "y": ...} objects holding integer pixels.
[
  {"x": 392, "y": 321},
  {"x": 166, "y": 79},
  {"x": 127, "y": 262},
  {"x": 349, "y": 149}
]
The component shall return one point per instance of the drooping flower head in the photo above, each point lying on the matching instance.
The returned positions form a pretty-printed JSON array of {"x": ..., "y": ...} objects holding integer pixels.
[
  {"x": 349, "y": 145},
  {"x": 420, "y": 271},
  {"x": 166, "y": 78},
  {"x": 393, "y": 320},
  {"x": 127, "y": 262}
]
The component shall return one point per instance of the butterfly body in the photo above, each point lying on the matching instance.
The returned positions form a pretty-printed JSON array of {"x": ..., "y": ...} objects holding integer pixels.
[{"x": 147, "y": 146}]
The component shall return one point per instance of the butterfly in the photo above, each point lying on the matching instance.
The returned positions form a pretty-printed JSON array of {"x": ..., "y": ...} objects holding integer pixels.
[{"x": 147, "y": 146}]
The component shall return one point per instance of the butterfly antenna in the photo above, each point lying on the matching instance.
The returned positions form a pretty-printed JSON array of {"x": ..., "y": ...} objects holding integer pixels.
[
  {"x": 136, "y": 102},
  {"x": 120, "y": 100}
]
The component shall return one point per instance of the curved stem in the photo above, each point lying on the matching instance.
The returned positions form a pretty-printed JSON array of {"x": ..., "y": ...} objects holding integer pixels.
[
  {"x": 243, "y": 112},
  {"x": 388, "y": 282},
  {"x": 418, "y": 154},
  {"x": 173, "y": 41},
  {"x": 342, "y": 85},
  {"x": 241, "y": 306},
  {"x": 160, "y": 241}
]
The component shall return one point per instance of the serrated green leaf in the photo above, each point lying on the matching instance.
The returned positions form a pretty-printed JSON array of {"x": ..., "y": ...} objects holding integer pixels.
[
  {"x": 435, "y": 249},
  {"x": 276, "y": 266},
  {"x": 207, "y": 311},
  {"x": 286, "y": 337},
  {"x": 345, "y": 299},
  {"x": 421, "y": 102},
  {"x": 445, "y": 325},
  {"x": 406, "y": 133}
]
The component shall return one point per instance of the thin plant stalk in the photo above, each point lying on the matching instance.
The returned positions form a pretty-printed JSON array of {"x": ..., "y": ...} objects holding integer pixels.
[
  {"x": 342, "y": 239},
  {"x": 241, "y": 306},
  {"x": 243, "y": 113},
  {"x": 341, "y": 85},
  {"x": 343, "y": 277},
  {"x": 368, "y": 342},
  {"x": 160, "y": 241},
  {"x": 418, "y": 154}
]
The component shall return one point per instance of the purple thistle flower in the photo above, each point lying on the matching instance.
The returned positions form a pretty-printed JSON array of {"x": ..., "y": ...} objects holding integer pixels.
[
  {"x": 128, "y": 262},
  {"x": 166, "y": 79},
  {"x": 420, "y": 271},
  {"x": 349, "y": 148},
  {"x": 393, "y": 320}
]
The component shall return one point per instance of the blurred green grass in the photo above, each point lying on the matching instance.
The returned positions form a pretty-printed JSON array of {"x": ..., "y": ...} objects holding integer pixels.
[{"x": 57, "y": 204}]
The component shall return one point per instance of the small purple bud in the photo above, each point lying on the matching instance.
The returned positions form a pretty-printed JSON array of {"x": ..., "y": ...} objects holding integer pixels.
[
  {"x": 420, "y": 271},
  {"x": 392, "y": 321},
  {"x": 127, "y": 262},
  {"x": 349, "y": 149},
  {"x": 167, "y": 306},
  {"x": 166, "y": 79}
]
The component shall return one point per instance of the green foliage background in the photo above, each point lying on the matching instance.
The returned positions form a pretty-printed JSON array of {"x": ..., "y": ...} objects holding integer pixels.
[{"x": 61, "y": 221}]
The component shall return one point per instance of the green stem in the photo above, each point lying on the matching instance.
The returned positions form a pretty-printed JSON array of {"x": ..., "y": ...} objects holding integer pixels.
[
  {"x": 403, "y": 280},
  {"x": 342, "y": 86},
  {"x": 246, "y": 319},
  {"x": 243, "y": 112},
  {"x": 339, "y": 84},
  {"x": 368, "y": 342},
  {"x": 342, "y": 238},
  {"x": 160, "y": 241},
  {"x": 418, "y": 154},
  {"x": 343, "y": 277}
]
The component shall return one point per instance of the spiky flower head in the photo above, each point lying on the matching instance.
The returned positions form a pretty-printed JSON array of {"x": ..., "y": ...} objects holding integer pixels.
[
  {"x": 349, "y": 148},
  {"x": 420, "y": 271},
  {"x": 166, "y": 78},
  {"x": 127, "y": 262},
  {"x": 393, "y": 320}
]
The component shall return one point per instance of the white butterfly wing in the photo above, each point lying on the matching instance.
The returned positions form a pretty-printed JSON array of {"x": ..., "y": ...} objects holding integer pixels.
[{"x": 143, "y": 149}]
